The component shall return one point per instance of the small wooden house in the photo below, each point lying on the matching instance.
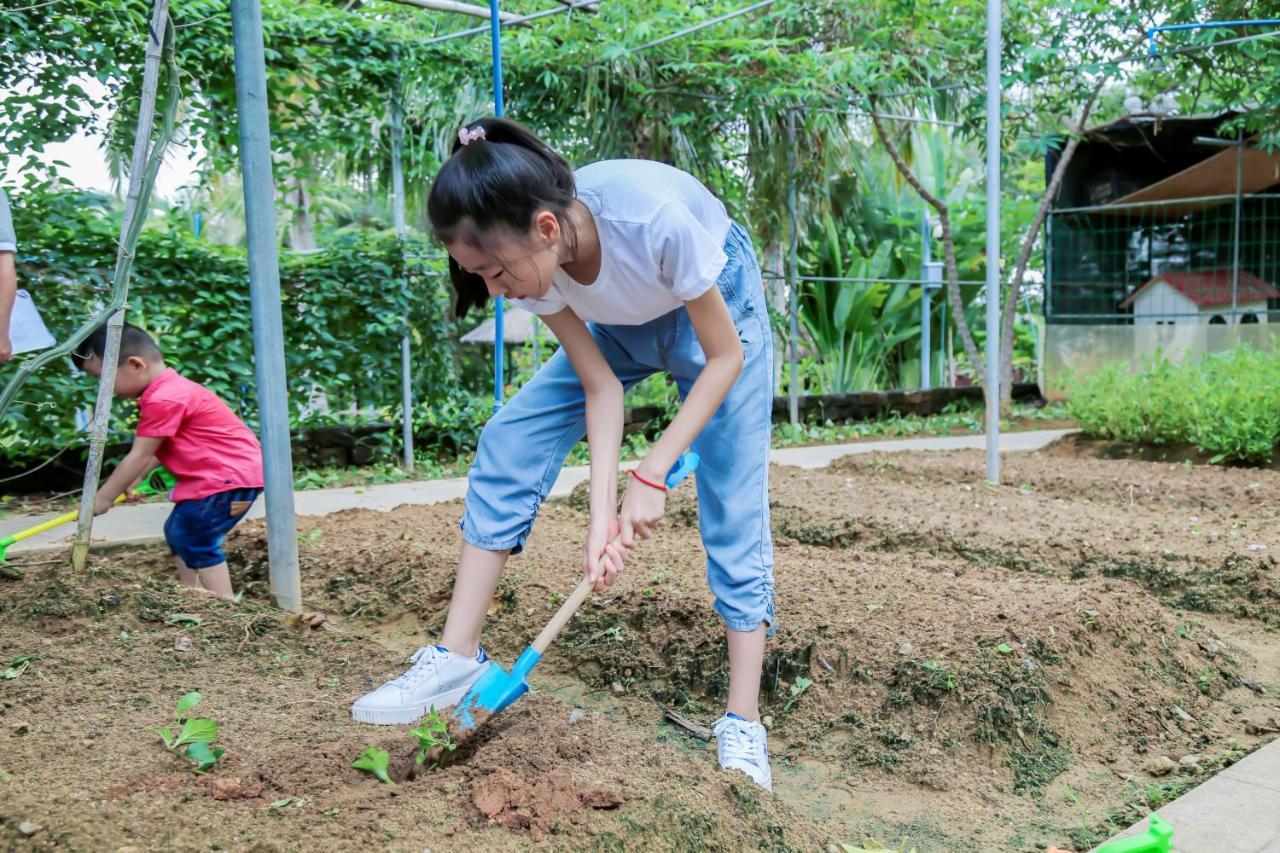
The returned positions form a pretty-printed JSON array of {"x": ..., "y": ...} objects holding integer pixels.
[{"x": 1174, "y": 298}]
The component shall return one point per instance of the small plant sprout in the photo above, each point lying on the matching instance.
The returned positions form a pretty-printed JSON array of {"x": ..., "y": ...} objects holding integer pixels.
[
  {"x": 196, "y": 734},
  {"x": 798, "y": 689},
  {"x": 375, "y": 761},
  {"x": 17, "y": 666},
  {"x": 434, "y": 732}
]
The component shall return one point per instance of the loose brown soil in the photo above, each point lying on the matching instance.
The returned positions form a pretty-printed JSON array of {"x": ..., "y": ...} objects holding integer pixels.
[{"x": 957, "y": 666}]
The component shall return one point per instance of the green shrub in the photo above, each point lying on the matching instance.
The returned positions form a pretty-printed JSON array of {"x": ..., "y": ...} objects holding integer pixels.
[
  {"x": 344, "y": 313},
  {"x": 1226, "y": 405}
]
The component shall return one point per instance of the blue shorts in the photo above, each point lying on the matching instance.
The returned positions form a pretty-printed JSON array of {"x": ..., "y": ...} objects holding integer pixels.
[
  {"x": 196, "y": 529},
  {"x": 524, "y": 445}
]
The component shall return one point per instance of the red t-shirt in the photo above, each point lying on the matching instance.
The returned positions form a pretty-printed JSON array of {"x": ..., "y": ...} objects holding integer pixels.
[{"x": 208, "y": 449}]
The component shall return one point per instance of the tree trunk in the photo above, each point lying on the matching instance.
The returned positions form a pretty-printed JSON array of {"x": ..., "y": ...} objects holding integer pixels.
[
  {"x": 954, "y": 296},
  {"x": 302, "y": 227},
  {"x": 1028, "y": 244}
]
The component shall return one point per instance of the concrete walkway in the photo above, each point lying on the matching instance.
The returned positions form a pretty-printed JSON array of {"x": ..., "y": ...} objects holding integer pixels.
[
  {"x": 142, "y": 523},
  {"x": 1237, "y": 811}
]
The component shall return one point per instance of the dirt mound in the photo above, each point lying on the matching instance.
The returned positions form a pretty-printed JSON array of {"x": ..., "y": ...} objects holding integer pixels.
[
  {"x": 957, "y": 666},
  {"x": 107, "y": 669},
  {"x": 933, "y": 629}
]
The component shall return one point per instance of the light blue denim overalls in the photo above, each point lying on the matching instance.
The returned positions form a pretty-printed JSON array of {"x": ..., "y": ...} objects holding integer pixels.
[{"x": 524, "y": 446}]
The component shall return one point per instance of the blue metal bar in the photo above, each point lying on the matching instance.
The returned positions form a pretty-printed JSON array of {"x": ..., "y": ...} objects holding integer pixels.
[
  {"x": 397, "y": 210},
  {"x": 793, "y": 287},
  {"x": 264, "y": 296},
  {"x": 1152, "y": 49},
  {"x": 993, "y": 241},
  {"x": 495, "y": 47},
  {"x": 523, "y": 19},
  {"x": 926, "y": 255}
]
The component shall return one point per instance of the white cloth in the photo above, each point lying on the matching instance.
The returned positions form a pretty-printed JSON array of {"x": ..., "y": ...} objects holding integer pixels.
[
  {"x": 8, "y": 240},
  {"x": 662, "y": 239},
  {"x": 27, "y": 331}
]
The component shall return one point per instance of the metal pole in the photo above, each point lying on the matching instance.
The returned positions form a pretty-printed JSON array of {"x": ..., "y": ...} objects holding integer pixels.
[
  {"x": 1235, "y": 240},
  {"x": 710, "y": 22},
  {"x": 115, "y": 323},
  {"x": 495, "y": 49},
  {"x": 993, "y": 242},
  {"x": 264, "y": 295},
  {"x": 397, "y": 205},
  {"x": 523, "y": 19},
  {"x": 793, "y": 308},
  {"x": 537, "y": 349},
  {"x": 926, "y": 295},
  {"x": 1046, "y": 308}
]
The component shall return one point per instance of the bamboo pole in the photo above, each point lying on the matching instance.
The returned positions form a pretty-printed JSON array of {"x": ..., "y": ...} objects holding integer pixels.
[{"x": 135, "y": 208}]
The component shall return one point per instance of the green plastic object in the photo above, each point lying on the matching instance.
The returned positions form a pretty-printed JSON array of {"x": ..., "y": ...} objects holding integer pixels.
[
  {"x": 1157, "y": 839},
  {"x": 158, "y": 482}
]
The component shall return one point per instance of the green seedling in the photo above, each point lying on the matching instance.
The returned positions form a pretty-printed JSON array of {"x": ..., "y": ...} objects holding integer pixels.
[
  {"x": 434, "y": 732},
  {"x": 798, "y": 689},
  {"x": 196, "y": 734},
  {"x": 375, "y": 761},
  {"x": 17, "y": 666},
  {"x": 288, "y": 802}
]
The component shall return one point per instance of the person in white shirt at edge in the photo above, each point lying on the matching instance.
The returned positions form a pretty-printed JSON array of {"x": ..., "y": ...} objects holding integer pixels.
[
  {"x": 636, "y": 268},
  {"x": 8, "y": 276}
]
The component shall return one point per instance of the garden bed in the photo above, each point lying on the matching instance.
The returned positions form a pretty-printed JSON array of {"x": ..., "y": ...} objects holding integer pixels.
[{"x": 957, "y": 666}]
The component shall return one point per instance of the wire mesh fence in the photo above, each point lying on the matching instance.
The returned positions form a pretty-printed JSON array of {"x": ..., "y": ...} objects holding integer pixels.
[{"x": 1211, "y": 259}]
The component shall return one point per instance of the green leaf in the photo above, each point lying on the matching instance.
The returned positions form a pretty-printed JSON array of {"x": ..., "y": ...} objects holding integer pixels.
[
  {"x": 183, "y": 619},
  {"x": 375, "y": 761},
  {"x": 187, "y": 702},
  {"x": 1004, "y": 649},
  {"x": 296, "y": 802},
  {"x": 17, "y": 666},
  {"x": 203, "y": 755},
  {"x": 197, "y": 730},
  {"x": 166, "y": 735}
]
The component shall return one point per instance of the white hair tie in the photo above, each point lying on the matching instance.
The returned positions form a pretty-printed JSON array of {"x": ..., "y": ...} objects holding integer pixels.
[{"x": 469, "y": 135}]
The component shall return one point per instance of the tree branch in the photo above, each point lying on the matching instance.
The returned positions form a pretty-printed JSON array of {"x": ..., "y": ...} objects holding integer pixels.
[
  {"x": 948, "y": 240},
  {"x": 1028, "y": 244}
]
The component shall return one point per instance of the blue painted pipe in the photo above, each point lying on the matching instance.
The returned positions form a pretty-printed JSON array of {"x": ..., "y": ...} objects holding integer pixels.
[{"x": 495, "y": 48}]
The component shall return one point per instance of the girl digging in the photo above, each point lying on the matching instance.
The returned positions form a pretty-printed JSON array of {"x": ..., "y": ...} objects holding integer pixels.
[{"x": 647, "y": 256}]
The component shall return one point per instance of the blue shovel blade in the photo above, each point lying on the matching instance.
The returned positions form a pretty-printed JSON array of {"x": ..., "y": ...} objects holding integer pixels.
[{"x": 495, "y": 690}]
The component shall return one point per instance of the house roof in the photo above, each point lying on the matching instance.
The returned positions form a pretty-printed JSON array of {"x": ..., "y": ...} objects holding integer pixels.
[
  {"x": 1211, "y": 288},
  {"x": 517, "y": 328}
]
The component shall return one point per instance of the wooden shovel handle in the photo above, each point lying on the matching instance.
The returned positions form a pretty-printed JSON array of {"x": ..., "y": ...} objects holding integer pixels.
[{"x": 563, "y": 615}]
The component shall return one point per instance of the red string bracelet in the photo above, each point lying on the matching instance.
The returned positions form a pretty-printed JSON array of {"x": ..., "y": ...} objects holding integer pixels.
[{"x": 659, "y": 486}]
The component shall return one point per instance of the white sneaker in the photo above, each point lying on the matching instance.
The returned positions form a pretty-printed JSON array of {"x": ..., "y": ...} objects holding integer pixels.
[
  {"x": 437, "y": 679},
  {"x": 744, "y": 745}
]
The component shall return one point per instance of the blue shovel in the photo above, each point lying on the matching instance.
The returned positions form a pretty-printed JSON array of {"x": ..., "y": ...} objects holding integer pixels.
[{"x": 497, "y": 688}]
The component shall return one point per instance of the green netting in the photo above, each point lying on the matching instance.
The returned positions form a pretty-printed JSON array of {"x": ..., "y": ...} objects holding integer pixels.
[{"x": 1099, "y": 256}]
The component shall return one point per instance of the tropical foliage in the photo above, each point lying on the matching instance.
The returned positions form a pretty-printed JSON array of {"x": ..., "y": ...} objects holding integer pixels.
[{"x": 857, "y": 82}]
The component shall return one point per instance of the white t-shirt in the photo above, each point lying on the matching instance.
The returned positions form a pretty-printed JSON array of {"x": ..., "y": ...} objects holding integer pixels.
[{"x": 661, "y": 242}]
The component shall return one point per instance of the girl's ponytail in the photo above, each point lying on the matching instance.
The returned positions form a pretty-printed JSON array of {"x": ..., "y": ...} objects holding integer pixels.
[{"x": 499, "y": 175}]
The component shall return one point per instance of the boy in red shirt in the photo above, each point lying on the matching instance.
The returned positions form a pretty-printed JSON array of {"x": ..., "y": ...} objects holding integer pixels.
[{"x": 186, "y": 428}]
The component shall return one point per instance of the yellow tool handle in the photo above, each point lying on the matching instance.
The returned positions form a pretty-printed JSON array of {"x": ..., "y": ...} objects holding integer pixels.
[
  {"x": 563, "y": 615},
  {"x": 51, "y": 523}
]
